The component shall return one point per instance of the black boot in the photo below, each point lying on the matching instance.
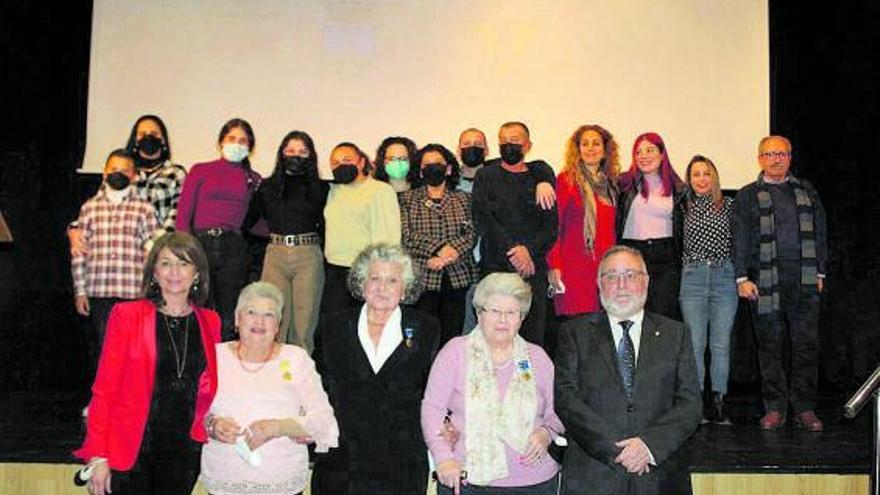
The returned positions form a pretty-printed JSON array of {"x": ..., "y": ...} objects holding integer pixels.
[{"x": 720, "y": 416}]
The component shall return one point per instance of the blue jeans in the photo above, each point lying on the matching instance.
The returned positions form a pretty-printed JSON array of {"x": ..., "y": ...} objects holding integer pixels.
[{"x": 708, "y": 301}]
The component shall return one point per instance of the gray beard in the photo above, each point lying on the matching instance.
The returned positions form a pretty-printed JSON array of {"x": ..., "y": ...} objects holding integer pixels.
[{"x": 620, "y": 311}]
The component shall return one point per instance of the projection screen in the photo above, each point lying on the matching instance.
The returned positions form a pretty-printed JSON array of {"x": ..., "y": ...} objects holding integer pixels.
[{"x": 696, "y": 71}]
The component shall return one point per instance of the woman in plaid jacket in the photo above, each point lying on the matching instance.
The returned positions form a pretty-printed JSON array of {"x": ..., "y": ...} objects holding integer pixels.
[{"x": 439, "y": 234}]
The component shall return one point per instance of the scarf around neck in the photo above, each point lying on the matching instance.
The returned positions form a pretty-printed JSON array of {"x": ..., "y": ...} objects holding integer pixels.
[
  {"x": 492, "y": 421},
  {"x": 768, "y": 276}
]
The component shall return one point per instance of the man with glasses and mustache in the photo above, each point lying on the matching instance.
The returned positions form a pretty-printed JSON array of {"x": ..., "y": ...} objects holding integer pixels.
[
  {"x": 780, "y": 252},
  {"x": 626, "y": 387}
]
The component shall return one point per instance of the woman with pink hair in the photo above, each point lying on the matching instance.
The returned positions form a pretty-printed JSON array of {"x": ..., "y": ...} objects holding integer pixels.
[{"x": 650, "y": 219}]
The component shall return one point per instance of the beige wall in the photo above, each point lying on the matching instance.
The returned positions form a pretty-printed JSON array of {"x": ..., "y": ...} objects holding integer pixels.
[{"x": 696, "y": 71}]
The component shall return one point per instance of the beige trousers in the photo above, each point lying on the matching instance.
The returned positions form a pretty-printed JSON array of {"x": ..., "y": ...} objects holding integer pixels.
[{"x": 298, "y": 272}]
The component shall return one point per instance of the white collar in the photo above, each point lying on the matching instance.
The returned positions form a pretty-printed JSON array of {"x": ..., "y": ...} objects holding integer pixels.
[{"x": 391, "y": 338}]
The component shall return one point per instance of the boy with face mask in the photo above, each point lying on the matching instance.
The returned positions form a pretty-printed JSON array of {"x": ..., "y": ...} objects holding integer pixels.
[{"x": 116, "y": 226}]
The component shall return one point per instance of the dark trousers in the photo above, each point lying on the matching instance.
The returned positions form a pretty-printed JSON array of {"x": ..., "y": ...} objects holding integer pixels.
[
  {"x": 99, "y": 313},
  {"x": 788, "y": 344},
  {"x": 227, "y": 260},
  {"x": 663, "y": 259},
  {"x": 535, "y": 325},
  {"x": 448, "y": 305},
  {"x": 336, "y": 295},
  {"x": 548, "y": 487},
  {"x": 170, "y": 473}
]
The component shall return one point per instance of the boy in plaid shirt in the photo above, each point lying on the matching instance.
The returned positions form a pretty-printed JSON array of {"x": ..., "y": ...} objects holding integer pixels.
[{"x": 116, "y": 226}]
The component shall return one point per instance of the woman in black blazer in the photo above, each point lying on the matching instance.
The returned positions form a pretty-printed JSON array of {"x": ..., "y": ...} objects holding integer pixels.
[
  {"x": 650, "y": 219},
  {"x": 374, "y": 361}
]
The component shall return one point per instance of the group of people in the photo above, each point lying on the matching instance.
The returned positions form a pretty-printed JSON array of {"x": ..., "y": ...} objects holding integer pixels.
[{"x": 455, "y": 264}]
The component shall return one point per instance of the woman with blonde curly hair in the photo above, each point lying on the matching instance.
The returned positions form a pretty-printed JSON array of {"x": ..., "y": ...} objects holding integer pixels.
[{"x": 586, "y": 192}]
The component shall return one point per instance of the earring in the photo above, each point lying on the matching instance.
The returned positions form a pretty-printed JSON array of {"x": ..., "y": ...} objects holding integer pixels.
[
  {"x": 154, "y": 284},
  {"x": 194, "y": 289}
]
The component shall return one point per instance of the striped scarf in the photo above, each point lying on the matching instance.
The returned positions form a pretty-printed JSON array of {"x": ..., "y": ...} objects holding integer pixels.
[{"x": 768, "y": 277}]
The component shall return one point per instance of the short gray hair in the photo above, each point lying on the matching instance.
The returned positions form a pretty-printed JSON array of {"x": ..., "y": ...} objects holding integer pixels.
[
  {"x": 389, "y": 253},
  {"x": 617, "y": 249},
  {"x": 261, "y": 290},
  {"x": 766, "y": 139},
  {"x": 503, "y": 284}
]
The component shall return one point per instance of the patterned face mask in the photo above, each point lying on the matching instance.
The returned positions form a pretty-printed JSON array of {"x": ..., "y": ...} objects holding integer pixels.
[{"x": 235, "y": 152}]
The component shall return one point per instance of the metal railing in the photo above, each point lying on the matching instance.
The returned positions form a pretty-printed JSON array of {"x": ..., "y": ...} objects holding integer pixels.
[{"x": 852, "y": 408}]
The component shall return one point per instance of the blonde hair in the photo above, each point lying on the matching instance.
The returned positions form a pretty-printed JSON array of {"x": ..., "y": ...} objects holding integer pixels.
[{"x": 714, "y": 188}]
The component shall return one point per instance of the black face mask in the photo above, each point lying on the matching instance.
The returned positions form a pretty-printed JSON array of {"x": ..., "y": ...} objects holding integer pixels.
[
  {"x": 434, "y": 174},
  {"x": 512, "y": 153},
  {"x": 345, "y": 173},
  {"x": 149, "y": 144},
  {"x": 473, "y": 156},
  {"x": 296, "y": 165},
  {"x": 117, "y": 181}
]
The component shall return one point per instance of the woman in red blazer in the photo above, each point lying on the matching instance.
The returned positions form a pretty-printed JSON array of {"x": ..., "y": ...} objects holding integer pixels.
[{"x": 156, "y": 379}]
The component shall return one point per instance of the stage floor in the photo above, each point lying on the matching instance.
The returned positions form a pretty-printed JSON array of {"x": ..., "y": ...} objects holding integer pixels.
[{"x": 45, "y": 427}]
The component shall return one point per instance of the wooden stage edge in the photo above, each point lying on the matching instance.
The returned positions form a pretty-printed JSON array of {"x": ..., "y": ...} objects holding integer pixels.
[{"x": 56, "y": 479}]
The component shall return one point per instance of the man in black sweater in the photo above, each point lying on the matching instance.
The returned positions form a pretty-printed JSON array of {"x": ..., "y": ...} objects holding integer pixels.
[{"x": 516, "y": 232}]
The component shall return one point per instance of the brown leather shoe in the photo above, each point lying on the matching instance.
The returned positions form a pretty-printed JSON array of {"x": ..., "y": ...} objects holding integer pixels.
[
  {"x": 772, "y": 420},
  {"x": 808, "y": 421}
]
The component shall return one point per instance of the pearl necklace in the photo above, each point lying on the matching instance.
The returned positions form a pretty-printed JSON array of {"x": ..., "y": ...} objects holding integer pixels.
[{"x": 258, "y": 368}]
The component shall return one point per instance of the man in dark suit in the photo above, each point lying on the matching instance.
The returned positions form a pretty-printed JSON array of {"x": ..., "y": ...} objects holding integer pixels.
[{"x": 626, "y": 386}]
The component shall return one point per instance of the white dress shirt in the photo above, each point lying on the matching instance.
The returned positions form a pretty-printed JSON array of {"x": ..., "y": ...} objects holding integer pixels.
[
  {"x": 392, "y": 336},
  {"x": 635, "y": 331}
]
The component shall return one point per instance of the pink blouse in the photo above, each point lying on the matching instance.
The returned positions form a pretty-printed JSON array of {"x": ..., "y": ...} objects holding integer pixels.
[{"x": 287, "y": 386}]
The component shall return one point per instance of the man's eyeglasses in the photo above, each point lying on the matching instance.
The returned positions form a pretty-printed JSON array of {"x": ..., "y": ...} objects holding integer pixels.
[
  {"x": 629, "y": 277},
  {"x": 775, "y": 154}
]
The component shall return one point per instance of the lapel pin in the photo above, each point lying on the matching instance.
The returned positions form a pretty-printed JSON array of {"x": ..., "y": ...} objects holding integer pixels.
[{"x": 408, "y": 337}]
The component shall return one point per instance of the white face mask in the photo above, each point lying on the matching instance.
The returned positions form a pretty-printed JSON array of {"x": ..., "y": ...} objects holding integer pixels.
[{"x": 235, "y": 152}]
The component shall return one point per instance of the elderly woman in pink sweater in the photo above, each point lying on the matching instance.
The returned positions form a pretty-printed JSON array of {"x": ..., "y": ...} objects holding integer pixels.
[
  {"x": 499, "y": 390},
  {"x": 269, "y": 404}
]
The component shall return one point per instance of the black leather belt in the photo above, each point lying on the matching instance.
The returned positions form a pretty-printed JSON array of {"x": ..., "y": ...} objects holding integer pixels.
[
  {"x": 217, "y": 232},
  {"x": 307, "y": 239}
]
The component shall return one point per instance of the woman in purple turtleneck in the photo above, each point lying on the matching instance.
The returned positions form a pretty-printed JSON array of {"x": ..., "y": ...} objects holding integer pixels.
[{"x": 213, "y": 205}]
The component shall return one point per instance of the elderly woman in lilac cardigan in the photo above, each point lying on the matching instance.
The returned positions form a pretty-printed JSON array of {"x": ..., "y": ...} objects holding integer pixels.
[{"x": 499, "y": 390}]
